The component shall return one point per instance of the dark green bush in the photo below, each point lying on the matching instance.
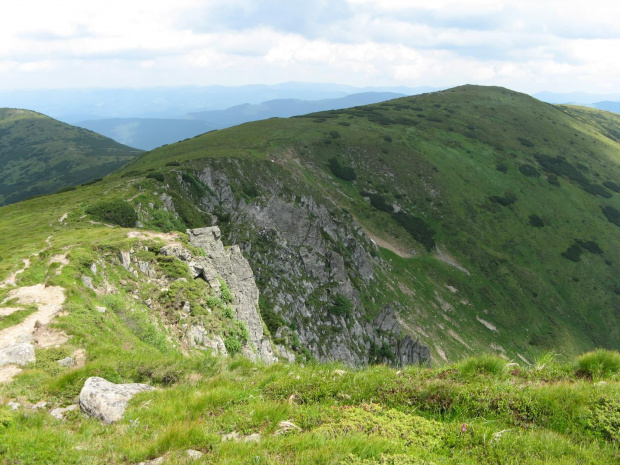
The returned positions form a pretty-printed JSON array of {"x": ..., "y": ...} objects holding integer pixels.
[
  {"x": 114, "y": 211},
  {"x": 590, "y": 246},
  {"x": 573, "y": 253},
  {"x": 173, "y": 163},
  {"x": 343, "y": 172},
  {"x": 612, "y": 214},
  {"x": 501, "y": 167},
  {"x": 272, "y": 320},
  {"x": 157, "y": 176},
  {"x": 65, "y": 189},
  {"x": 250, "y": 190},
  {"x": 334, "y": 134},
  {"x": 417, "y": 228},
  {"x": 612, "y": 186},
  {"x": 387, "y": 138},
  {"x": 508, "y": 199},
  {"x": 379, "y": 202},
  {"x": 525, "y": 142},
  {"x": 536, "y": 221},
  {"x": 341, "y": 306},
  {"x": 92, "y": 181},
  {"x": 529, "y": 171}
]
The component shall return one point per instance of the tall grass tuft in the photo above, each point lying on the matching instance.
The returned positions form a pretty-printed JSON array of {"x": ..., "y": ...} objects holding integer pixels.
[
  {"x": 486, "y": 364},
  {"x": 599, "y": 363}
]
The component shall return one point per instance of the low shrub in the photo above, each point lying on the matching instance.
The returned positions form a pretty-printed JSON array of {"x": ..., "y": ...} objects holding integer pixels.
[
  {"x": 529, "y": 171},
  {"x": 157, "y": 176},
  {"x": 612, "y": 214},
  {"x": 345, "y": 173},
  {"x": 525, "y": 142},
  {"x": 65, "y": 189},
  {"x": 508, "y": 199},
  {"x": 117, "y": 212},
  {"x": 379, "y": 202},
  {"x": 573, "y": 253},
  {"x": 417, "y": 228},
  {"x": 536, "y": 221},
  {"x": 341, "y": 306}
]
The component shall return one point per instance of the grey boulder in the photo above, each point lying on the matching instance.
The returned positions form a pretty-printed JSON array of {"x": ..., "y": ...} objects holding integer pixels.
[
  {"x": 107, "y": 401},
  {"x": 18, "y": 354}
]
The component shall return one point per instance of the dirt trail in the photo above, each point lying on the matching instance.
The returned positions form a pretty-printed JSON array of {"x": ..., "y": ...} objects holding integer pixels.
[
  {"x": 49, "y": 301},
  {"x": 10, "y": 281},
  {"x": 386, "y": 245}
]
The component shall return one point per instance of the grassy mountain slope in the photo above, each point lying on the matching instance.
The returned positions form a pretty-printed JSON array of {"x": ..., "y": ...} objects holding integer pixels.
[
  {"x": 523, "y": 195},
  {"x": 39, "y": 155},
  {"x": 464, "y": 262},
  {"x": 496, "y": 217}
]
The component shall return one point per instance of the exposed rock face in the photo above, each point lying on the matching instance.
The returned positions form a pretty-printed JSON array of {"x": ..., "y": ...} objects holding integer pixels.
[
  {"x": 304, "y": 254},
  {"x": 17, "y": 354},
  {"x": 196, "y": 336},
  {"x": 108, "y": 401},
  {"x": 235, "y": 270}
]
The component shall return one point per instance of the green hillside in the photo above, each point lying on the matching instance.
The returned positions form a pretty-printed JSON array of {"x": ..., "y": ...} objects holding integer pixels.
[
  {"x": 40, "y": 155},
  {"x": 521, "y": 194},
  {"x": 469, "y": 237}
]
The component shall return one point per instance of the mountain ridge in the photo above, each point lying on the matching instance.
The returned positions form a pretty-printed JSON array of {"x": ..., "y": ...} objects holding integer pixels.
[{"x": 41, "y": 155}]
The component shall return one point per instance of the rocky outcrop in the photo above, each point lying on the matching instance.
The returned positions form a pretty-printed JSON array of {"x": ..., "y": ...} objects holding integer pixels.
[
  {"x": 305, "y": 254},
  {"x": 231, "y": 266},
  {"x": 107, "y": 401},
  {"x": 196, "y": 336}
]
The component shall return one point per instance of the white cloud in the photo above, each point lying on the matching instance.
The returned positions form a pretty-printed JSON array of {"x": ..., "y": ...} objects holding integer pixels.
[{"x": 527, "y": 45}]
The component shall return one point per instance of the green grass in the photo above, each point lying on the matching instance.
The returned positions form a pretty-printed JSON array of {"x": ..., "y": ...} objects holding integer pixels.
[
  {"x": 362, "y": 416},
  {"x": 16, "y": 317},
  {"x": 599, "y": 364}
]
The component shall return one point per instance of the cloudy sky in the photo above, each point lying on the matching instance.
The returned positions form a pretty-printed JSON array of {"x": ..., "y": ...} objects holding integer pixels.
[{"x": 526, "y": 45}]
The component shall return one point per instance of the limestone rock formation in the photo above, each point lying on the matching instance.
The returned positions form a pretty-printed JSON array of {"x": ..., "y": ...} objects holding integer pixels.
[
  {"x": 305, "y": 254},
  {"x": 234, "y": 269},
  {"x": 108, "y": 401}
]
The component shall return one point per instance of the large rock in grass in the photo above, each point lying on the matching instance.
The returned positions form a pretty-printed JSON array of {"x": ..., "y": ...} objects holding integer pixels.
[
  {"x": 107, "y": 401},
  {"x": 18, "y": 354}
]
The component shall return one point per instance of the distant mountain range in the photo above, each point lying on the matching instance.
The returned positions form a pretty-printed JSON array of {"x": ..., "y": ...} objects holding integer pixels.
[
  {"x": 149, "y": 133},
  {"x": 74, "y": 105},
  {"x": 576, "y": 98}
]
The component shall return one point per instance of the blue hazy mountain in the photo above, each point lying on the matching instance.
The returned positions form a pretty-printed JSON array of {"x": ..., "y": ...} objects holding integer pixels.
[{"x": 149, "y": 133}]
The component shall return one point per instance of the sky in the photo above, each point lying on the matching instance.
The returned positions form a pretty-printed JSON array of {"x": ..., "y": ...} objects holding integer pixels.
[{"x": 525, "y": 45}]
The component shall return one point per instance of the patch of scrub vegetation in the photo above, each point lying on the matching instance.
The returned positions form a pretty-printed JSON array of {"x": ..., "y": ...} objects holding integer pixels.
[
  {"x": 560, "y": 167},
  {"x": 573, "y": 252},
  {"x": 507, "y": 199},
  {"x": 117, "y": 212},
  {"x": 417, "y": 228},
  {"x": 536, "y": 221},
  {"x": 345, "y": 173},
  {"x": 612, "y": 214}
]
